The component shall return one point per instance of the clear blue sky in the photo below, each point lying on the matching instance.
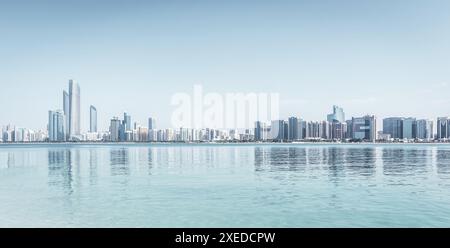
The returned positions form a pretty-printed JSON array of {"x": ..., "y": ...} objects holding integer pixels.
[{"x": 381, "y": 57}]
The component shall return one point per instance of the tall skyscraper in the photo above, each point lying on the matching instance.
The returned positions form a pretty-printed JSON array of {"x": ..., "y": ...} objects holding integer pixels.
[
  {"x": 127, "y": 122},
  {"x": 293, "y": 132},
  {"x": 114, "y": 129},
  {"x": 364, "y": 128},
  {"x": 66, "y": 109},
  {"x": 338, "y": 115},
  {"x": 277, "y": 130},
  {"x": 443, "y": 128},
  {"x": 93, "y": 119},
  {"x": 74, "y": 109},
  {"x": 151, "y": 123},
  {"x": 56, "y": 122},
  {"x": 409, "y": 128},
  {"x": 258, "y": 131},
  {"x": 394, "y": 127},
  {"x": 424, "y": 129}
]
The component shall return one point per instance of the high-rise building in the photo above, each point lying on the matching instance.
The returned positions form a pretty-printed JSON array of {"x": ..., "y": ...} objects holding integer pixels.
[
  {"x": 66, "y": 109},
  {"x": 258, "y": 131},
  {"x": 349, "y": 133},
  {"x": 338, "y": 115},
  {"x": 93, "y": 120},
  {"x": 338, "y": 130},
  {"x": 424, "y": 129},
  {"x": 302, "y": 127},
  {"x": 127, "y": 122},
  {"x": 277, "y": 130},
  {"x": 394, "y": 127},
  {"x": 114, "y": 129},
  {"x": 293, "y": 132},
  {"x": 443, "y": 128},
  {"x": 74, "y": 109},
  {"x": 56, "y": 122},
  {"x": 364, "y": 128},
  {"x": 151, "y": 123},
  {"x": 409, "y": 128}
]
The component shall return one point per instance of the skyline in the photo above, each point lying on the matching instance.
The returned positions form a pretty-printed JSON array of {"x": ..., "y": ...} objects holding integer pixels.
[
  {"x": 66, "y": 122},
  {"x": 383, "y": 58}
]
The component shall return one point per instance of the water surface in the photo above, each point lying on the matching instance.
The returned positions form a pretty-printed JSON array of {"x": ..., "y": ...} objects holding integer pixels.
[{"x": 292, "y": 185}]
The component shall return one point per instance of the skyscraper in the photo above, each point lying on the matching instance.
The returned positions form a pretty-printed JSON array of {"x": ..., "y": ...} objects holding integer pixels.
[
  {"x": 74, "y": 109},
  {"x": 127, "y": 121},
  {"x": 443, "y": 128},
  {"x": 338, "y": 115},
  {"x": 394, "y": 127},
  {"x": 66, "y": 109},
  {"x": 56, "y": 121},
  {"x": 93, "y": 119},
  {"x": 424, "y": 129},
  {"x": 258, "y": 131},
  {"x": 114, "y": 129},
  {"x": 277, "y": 130},
  {"x": 409, "y": 128},
  {"x": 151, "y": 123},
  {"x": 364, "y": 128},
  {"x": 293, "y": 133}
]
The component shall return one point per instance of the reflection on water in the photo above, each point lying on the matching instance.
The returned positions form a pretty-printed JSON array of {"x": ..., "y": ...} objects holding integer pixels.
[
  {"x": 222, "y": 185},
  {"x": 60, "y": 169}
]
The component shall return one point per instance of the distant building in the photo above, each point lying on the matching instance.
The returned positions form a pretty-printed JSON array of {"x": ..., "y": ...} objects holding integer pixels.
[
  {"x": 74, "y": 109},
  {"x": 277, "y": 130},
  {"x": 394, "y": 127},
  {"x": 364, "y": 128},
  {"x": 424, "y": 129},
  {"x": 338, "y": 115},
  {"x": 409, "y": 128},
  {"x": 66, "y": 109},
  {"x": 443, "y": 128},
  {"x": 127, "y": 122},
  {"x": 93, "y": 120},
  {"x": 114, "y": 129},
  {"x": 293, "y": 132},
  {"x": 56, "y": 123},
  {"x": 258, "y": 131}
]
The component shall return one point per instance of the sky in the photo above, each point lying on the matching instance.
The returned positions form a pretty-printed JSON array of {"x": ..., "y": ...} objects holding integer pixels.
[{"x": 386, "y": 57}]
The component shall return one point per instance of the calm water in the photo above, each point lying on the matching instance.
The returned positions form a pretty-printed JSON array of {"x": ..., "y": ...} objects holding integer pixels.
[{"x": 225, "y": 186}]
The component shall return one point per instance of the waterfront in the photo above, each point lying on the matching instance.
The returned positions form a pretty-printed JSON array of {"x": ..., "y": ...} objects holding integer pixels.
[{"x": 242, "y": 185}]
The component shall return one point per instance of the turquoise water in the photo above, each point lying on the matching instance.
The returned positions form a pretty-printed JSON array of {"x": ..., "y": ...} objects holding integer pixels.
[{"x": 297, "y": 185}]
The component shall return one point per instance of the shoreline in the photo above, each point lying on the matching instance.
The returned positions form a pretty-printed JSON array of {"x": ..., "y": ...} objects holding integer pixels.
[{"x": 219, "y": 143}]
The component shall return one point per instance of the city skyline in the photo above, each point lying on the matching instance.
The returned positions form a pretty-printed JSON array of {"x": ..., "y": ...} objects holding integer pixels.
[
  {"x": 64, "y": 125},
  {"x": 384, "y": 58}
]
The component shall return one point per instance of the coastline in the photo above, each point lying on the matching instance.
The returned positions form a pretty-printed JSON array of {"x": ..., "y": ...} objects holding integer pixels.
[{"x": 69, "y": 144}]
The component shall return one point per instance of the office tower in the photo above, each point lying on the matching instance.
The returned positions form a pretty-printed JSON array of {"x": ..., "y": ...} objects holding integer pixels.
[
  {"x": 349, "y": 133},
  {"x": 364, "y": 128},
  {"x": 66, "y": 109},
  {"x": 151, "y": 123},
  {"x": 338, "y": 115},
  {"x": 277, "y": 130},
  {"x": 302, "y": 126},
  {"x": 93, "y": 119},
  {"x": 409, "y": 128},
  {"x": 293, "y": 132},
  {"x": 114, "y": 129},
  {"x": 74, "y": 109},
  {"x": 338, "y": 130},
  {"x": 258, "y": 131},
  {"x": 443, "y": 128},
  {"x": 394, "y": 127},
  {"x": 127, "y": 122},
  {"x": 56, "y": 122},
  {"x": 424, "y": 129}
]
